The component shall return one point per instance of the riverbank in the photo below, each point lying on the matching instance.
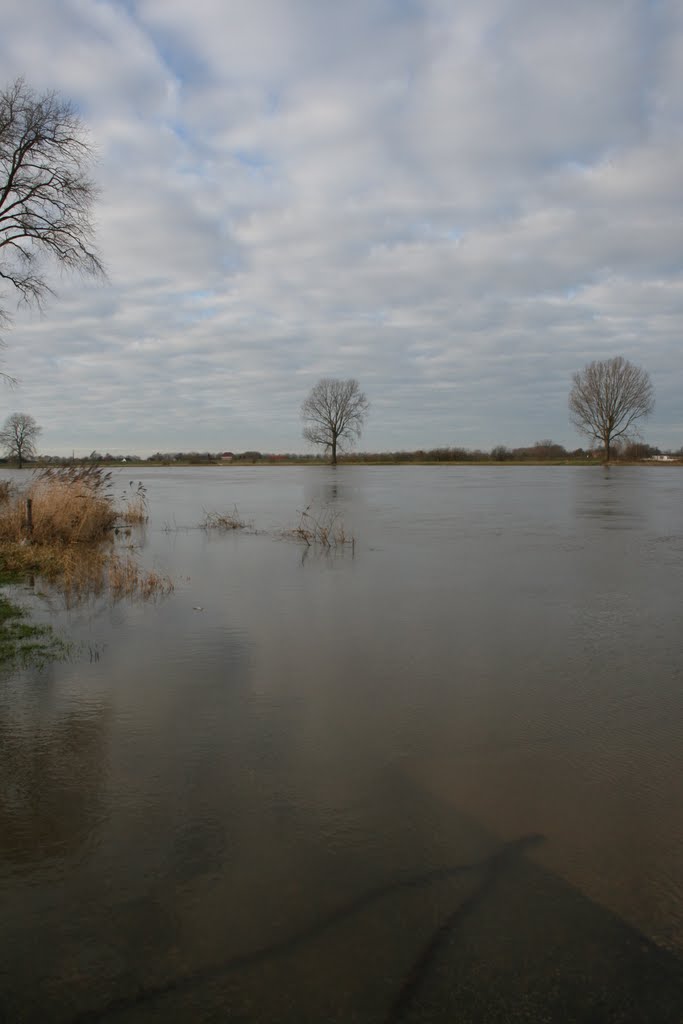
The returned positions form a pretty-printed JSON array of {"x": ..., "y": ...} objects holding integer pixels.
[{"x": 285, "y": 463}]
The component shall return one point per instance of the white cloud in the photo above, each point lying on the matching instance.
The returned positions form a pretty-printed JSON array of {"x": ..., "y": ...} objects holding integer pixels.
[{"x": 459, "y": 205}]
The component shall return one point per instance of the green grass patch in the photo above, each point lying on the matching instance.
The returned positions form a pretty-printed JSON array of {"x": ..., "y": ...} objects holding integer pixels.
[{"x": 23, "y": 642}]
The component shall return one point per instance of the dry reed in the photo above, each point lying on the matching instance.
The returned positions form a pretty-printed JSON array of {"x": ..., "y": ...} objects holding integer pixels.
[
  {"x": 134, "y": 509},
  {"x": 223, "y": 520},
  {"x": 70, "y": 505},
  {"x": 125, "y": 578},
  {"x": 324, "y": 528},
  {"x": 62, "y": 528}
]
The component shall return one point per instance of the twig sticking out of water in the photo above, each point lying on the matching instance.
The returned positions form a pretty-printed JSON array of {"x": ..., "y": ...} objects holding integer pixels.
[{"x": 325, "y": 528}]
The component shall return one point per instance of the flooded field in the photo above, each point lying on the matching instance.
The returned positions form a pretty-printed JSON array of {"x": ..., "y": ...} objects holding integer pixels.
[{"x": 430, "y": 775}]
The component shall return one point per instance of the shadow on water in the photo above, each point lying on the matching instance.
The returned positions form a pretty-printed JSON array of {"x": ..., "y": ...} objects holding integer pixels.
[{"x": 508, "y": 942}]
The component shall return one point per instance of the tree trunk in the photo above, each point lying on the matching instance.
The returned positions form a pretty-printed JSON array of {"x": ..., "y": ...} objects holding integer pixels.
[
  {"x": 334, "y": 450},
  {"x": 607, "y": 450}
]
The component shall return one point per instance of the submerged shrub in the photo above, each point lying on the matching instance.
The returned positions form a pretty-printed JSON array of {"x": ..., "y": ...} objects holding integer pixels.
[
  {"x": 324, "y": 528},
  {"x": 223, "y": 520}
]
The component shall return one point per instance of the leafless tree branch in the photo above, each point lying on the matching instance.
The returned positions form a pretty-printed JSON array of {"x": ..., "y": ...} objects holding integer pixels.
[
  {"x": 334, "y": 414},
  {"x": 46, "y": 194},
  {"x": 18, "y": 436},
  {"x": 608, "y": 397}
]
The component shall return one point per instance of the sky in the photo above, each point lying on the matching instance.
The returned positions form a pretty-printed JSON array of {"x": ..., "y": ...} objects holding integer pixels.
[{"x": 459, "y": 204}]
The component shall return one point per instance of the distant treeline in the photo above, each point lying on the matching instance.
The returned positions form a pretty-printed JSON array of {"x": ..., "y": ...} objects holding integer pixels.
[{"x": 540, "y": 451}]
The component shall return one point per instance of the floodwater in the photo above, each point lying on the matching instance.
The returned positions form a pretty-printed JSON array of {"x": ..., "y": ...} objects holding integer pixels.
[{"x": 435, "y": 775}]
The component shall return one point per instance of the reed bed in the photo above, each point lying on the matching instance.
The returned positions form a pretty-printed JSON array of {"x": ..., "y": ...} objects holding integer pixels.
[
  {"x": 70, "y": 505},
  {"x": 63, "y": 528},
  {"x": 126, "y": 579},
  {"x": 134, "y": 510}
]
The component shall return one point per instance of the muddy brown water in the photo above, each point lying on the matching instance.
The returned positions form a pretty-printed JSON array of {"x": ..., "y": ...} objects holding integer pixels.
[{"x": 433, "y": 776}]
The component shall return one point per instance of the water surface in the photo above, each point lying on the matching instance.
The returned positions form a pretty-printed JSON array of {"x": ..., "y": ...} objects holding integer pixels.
[{"x": 435, "y": 771}]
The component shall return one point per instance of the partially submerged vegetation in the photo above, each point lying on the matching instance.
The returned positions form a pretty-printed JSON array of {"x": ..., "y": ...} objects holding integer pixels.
[
  {"x": 61, "y": 508},
  {"x": 24, "y": 642},
  {"x": 124, "y": 578},
  {"x": 63, "y": 527},
  {"x": 65, "y": 532},
  {"x": 324, "y": 528},
  {"x": 223, "y": 521},
  {"x": 133, "y": 510},
  {"x": 316, "y": 527}
]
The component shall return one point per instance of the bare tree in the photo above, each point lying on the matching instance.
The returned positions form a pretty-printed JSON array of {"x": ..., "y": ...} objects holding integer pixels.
[
  {"x": 608, "y": 397},
  {"x": 18, "y": 436},
  {"x": 334, "y": 414},
  {"x": 46, "y": 195}
]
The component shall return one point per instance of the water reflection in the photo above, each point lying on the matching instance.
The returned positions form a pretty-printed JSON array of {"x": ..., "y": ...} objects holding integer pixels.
[
  {"x": 52, "y": 775},
  {"x": 610, "y": 500}
]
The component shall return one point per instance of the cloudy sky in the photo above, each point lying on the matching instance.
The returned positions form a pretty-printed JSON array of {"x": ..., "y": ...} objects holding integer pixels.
[{"x": 458, "y": 203}]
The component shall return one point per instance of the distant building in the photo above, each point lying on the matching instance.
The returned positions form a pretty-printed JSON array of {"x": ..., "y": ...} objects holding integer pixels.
[{"x": 227, "y": 456}]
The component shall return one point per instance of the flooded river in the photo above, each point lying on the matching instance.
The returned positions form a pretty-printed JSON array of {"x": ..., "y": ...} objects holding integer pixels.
[{"x": 433, "y": 775}]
